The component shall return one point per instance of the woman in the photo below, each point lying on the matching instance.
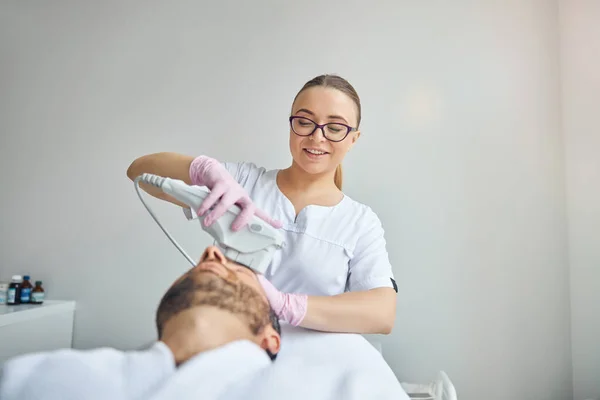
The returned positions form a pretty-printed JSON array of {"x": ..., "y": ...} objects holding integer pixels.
[{"x": 334, "y": 273}]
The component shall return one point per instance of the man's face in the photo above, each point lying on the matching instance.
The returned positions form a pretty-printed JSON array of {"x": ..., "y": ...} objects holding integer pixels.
[{"x": 219, "y": 282}]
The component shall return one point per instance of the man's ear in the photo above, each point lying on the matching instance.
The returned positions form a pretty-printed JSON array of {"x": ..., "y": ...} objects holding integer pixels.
[{"x": 270, "y": 340}]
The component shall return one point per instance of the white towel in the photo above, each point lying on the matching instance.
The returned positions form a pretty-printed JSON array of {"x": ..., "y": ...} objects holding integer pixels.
[{"x": 315, "y": 365}]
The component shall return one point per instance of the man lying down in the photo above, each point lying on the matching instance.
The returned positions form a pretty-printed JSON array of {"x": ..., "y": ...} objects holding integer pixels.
[{"x": 217, "y": 339}]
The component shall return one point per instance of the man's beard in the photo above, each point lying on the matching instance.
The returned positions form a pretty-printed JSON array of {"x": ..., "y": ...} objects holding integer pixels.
[{"x": 207, "y": 289}]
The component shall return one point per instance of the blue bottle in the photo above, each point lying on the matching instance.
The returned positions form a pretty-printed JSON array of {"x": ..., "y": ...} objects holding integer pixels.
[{"x": 26, "y": 289}]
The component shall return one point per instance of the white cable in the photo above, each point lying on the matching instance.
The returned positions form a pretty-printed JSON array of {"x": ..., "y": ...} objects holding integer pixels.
[{"x": 137, "y": 189}]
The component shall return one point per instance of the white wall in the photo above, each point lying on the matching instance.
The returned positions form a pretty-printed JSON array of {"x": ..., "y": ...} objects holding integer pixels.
[
  {"x": 580, "y": 55},
  {"x": 461, "y": 156}
]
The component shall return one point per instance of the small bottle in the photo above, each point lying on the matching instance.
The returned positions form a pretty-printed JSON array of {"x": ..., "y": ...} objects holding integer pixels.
[
  {"x": 14, "y": 290},
  {"x": 26, "y": 288},
  {"x": 37, "y": 294}
]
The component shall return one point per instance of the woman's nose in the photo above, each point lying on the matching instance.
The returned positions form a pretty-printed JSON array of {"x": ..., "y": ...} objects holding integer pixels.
[{"x": 318, "y": 135}]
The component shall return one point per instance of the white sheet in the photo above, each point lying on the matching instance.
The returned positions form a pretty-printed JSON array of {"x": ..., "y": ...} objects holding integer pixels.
[
  {"x": 311, "y": 365},
  {"x": 327, "y": 366}
]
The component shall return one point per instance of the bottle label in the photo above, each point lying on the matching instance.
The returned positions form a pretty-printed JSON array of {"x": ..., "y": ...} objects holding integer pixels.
[
  {"x": 25, "y": 295},
  {"x": 37, "y": 297},
  {"x": 12, "y": 295}
]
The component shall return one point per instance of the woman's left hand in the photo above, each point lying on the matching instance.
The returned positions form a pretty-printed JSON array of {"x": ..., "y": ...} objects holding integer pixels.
[
  {"x": 367, "y": 311},
  {"x": 288, "y": 307}
]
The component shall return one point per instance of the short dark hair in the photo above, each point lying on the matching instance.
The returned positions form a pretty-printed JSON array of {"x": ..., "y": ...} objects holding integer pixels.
[{"x": 181, "y": 297}]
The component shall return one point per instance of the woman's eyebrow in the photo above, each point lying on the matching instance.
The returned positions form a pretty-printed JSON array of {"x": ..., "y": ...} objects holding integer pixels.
[{"x": 304, "y": 110}]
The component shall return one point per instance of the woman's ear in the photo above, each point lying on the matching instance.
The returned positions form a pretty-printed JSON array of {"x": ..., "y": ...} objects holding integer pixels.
[
  {"x": 353, "y": 139},
  {"x": 356, "y": 136}
]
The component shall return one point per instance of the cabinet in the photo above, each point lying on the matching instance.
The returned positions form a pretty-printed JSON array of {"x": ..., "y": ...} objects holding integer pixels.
[{"x": 28, "y": 328}]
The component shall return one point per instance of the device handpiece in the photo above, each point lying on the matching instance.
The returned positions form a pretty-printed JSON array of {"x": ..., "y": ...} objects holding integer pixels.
[
  {"x": 193, "y": 196},
  {"x": 253, "y": 246}
]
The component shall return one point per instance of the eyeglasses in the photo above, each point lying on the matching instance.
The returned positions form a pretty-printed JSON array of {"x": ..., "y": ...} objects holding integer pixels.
[{"x": 333, "y": 131}]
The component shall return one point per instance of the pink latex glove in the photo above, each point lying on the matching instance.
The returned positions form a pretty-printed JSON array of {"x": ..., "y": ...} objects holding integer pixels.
[
  {"x": 288, "y": 306},
  {"x": 224, "y": 189}
]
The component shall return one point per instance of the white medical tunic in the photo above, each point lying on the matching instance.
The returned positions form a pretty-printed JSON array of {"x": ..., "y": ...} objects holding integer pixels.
[{"x": 329, "y": 250}]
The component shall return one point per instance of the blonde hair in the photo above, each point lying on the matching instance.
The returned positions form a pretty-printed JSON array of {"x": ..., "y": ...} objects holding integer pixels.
[
  {"x": 339, "y": 83},
  {"x": 337, "y": 178}
]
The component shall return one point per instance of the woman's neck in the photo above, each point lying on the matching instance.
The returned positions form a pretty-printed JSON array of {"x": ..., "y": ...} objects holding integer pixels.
[{"x": 295, "y": 179}]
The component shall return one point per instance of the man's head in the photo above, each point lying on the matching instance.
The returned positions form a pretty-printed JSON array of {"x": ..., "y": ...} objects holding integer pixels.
[{"x": 232, "y": 291}]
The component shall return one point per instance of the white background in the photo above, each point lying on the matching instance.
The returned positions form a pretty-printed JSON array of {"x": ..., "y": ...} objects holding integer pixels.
[
  {"x": 479, "y": 152},
  {"x": 580, "y": 66}
]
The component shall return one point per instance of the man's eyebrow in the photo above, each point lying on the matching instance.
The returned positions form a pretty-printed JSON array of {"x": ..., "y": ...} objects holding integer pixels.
[
  {"x": 237, "y": 264},
  {"x": 247, "y": 268}
]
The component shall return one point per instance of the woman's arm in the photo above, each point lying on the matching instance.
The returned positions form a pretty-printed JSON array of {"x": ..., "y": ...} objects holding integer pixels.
[
  {"x": 225, "y": 191},
  {"x": 171, "y": 165},
  {"x": 369, "y": 311},
  {"x": 368, "y": 305}
]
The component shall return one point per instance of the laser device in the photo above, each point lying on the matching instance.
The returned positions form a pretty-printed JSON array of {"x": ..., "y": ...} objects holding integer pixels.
[{"x": 253, "y": 246}]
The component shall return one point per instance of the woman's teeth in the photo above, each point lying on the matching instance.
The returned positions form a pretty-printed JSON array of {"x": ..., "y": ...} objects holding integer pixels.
[{"x": 316, "y": 152}]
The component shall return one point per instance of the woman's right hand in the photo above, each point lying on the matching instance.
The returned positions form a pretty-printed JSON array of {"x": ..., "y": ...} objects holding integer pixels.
[
  {"x": 202, "y": 171},
  {"x": 225, "y": 192}
]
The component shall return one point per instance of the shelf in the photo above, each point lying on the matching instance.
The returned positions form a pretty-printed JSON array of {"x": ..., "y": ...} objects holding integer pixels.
[{"x": 24, "y": 312}]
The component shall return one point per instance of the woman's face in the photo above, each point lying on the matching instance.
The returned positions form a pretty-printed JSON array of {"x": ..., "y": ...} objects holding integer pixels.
[{"x": 322, "y": 105}]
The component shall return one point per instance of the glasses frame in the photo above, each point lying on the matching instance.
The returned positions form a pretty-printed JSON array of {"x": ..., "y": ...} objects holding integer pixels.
[{"x": 317, "y": 126}]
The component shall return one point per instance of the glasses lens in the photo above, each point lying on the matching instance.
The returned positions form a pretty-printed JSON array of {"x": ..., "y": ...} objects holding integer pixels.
[
  {"x": 335, "y": 131},
  {"x": 303, "y": 126}
]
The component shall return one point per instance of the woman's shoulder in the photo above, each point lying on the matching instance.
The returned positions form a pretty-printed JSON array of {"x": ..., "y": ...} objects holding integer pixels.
[
  {"x": 345, "y": 224},
  {"x": 236, "y": 167},
  {"x": 247, "y": 173},
  {"x": 348, "y": 224},
  {"x": 362, "y": 212}
]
